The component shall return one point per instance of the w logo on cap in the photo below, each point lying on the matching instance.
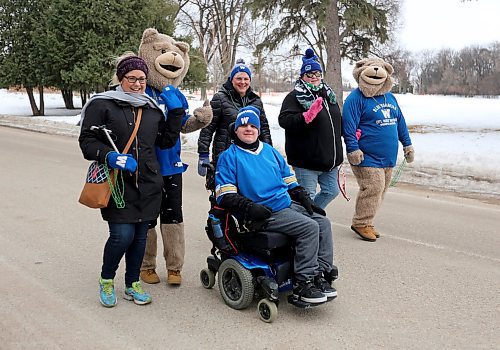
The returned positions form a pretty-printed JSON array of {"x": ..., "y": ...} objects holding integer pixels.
[{"x": 248, "y": 115}]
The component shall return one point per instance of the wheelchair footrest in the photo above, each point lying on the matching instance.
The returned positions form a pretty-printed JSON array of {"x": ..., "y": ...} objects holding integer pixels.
[{"x": 300, "y": 303}]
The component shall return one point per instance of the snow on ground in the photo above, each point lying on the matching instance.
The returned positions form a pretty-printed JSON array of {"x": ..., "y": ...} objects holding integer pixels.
[{"x": 456, "y": 139}]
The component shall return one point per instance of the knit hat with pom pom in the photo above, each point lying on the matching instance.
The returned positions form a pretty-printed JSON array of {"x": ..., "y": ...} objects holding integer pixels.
[
  {"x": 240, "y": 67},
  {"x": 310, "y": 63}
]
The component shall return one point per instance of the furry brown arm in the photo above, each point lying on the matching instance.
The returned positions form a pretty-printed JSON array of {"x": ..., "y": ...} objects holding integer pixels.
[{"x": 201, "y": 117}]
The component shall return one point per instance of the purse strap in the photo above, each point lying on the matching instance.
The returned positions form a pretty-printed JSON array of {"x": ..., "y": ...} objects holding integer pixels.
[{"x": 137, "y": 123}]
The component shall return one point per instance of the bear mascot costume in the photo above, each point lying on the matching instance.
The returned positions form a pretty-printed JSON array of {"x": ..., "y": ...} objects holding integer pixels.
[
  {"x": 168, "y": 63},
  {"x": 372, "y": 126}
]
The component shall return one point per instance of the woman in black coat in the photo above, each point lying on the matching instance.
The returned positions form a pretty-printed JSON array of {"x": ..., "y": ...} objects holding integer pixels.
[
  {"x": 139, "y": 181},
  {"x": 232, "y": 96},
  {"x": 311, "y": 118}
]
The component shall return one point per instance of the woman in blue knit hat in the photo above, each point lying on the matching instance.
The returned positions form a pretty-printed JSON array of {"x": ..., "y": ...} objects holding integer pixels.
[
  {"x": 234, "y": 94},
  {"x": 311, "y": 118}
]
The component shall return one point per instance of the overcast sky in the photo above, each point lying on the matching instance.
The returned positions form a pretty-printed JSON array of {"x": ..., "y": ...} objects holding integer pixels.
[{"x": 436, "y": 24}]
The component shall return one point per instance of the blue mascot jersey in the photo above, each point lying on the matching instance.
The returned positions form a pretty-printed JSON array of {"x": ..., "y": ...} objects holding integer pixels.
[
  {"x": 170, "y": 158},
  {"x": 382, "y": 125}
]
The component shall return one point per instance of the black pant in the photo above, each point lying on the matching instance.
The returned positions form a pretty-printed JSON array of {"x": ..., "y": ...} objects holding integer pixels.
[{"x": 171, "y": 201}]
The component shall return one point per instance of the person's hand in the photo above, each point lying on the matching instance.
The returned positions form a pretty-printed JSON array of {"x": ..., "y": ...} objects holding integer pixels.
[
  {"x": 122, "y": 161},
  {"x": 409, "y": 153},
  {"x": 170, "y": 97},
  {"x": 202, "y": 159},
  {"x": 313, "y": 111},
  {"x": 358, "y": 134},
  {"x": 356, "y": 157},
  {"x": 258, "y": 212},
  {"x": 301, "y": 196}
]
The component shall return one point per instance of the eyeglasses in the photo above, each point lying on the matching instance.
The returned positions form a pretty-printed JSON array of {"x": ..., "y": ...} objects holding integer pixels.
[
  {"x": 317, "y": 74},
  {"x": 133, "y": 80}
]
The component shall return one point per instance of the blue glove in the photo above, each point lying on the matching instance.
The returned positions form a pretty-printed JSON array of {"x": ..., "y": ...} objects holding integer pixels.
[
  {"x": 182, "y": 98},
  {"x": 122, "y": 161},
  {"x": 170, "y": 98},
  {"x": 203, "y": 159}
]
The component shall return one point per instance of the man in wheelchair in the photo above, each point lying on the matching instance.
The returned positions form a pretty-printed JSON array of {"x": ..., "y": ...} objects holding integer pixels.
[{"x": 254, "y": 180}]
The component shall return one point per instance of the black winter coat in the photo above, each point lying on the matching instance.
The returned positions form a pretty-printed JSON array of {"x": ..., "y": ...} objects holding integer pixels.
[
  {"x": 314, "y": 146},
  {"x": 225, "y": 106},
  {"x": 142, "y": 190}
]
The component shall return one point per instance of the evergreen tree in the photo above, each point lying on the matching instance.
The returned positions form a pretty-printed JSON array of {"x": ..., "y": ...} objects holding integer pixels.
[
  {"x": 70, "y": 45},
  {"x": 334, "y": 28},
  {"x": 22, "y": 57},
  {"x": 85, "y": 45}
]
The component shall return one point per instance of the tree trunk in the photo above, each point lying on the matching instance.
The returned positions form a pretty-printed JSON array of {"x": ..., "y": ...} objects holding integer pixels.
[
  {"x": 67, "y": 95},
  {"x": 34, "y": 107},
  {"x": 42, "y": 101},
  {"x": 333, "y": 75},
  {"x": 203, "y": 96},
  {"x": 83, "y": 97}
]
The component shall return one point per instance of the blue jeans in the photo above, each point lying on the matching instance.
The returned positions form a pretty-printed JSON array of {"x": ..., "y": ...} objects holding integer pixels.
[
  {"x": 328, "y": 184},
  {"x": 313, "y": 240},
  {"x": 128, "y": 240}
]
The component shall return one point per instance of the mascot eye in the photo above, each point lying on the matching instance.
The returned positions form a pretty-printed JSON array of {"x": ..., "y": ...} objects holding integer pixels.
[{"x": 163, "y": 51}]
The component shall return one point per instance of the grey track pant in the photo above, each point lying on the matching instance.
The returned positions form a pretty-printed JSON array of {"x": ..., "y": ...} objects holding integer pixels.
[{"x": 313, "y": 239}]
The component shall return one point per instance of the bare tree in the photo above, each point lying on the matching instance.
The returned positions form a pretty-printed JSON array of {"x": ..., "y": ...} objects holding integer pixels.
[{"x": 217, "y": 26}]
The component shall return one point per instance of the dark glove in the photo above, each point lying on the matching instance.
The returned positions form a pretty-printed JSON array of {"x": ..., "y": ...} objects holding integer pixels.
[
  {"x": 300, "y": 195},
  {"x": 170, "y": 98},
  {"x": 203, "y": 159},
  {"x": 122, "y": 161},
  {"x": 257, "y": 212}
]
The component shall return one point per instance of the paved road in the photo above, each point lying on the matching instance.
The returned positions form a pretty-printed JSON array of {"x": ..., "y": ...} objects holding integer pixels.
[{"x": 431, "y": 282}]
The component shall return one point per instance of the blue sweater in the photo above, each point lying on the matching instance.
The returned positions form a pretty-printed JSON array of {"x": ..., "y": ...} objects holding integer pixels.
[
  {"x": 170, "y": 158},
  {"x": 382, "y": 125},
  {"x": 262, "y": 176}
]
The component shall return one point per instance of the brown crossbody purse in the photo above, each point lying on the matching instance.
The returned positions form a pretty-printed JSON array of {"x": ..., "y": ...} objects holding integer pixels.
[{"x": 97, "y": 190}]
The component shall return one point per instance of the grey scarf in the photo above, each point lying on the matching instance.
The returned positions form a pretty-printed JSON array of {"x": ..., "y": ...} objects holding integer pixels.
[{"x": 132, "y": 98}]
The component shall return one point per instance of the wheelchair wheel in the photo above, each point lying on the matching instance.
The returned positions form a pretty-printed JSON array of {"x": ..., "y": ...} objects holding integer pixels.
[
  {"x": 207, "y": 278},
  {"x": 235, "y": 284},
  {"x": 268, "y": 311}
]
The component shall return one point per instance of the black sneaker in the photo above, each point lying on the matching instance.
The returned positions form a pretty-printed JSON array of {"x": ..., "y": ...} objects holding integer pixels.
[
  {"x": 308, "y": 292},
  {"x": 326, "y": 288}
]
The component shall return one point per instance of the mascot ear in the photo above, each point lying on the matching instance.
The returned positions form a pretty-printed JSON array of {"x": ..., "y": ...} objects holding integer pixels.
[
  {"x": 148, "y": 35},
  {"x": 361, "y": 63},
  {"x": 182, "y": 46},
  {"x": 358, "y": 68},
  {"x": 388, "y": 68}
]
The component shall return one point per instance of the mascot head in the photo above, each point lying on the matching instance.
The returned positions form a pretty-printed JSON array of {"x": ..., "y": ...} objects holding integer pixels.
[
  {"x": 167, "y": 59},
  {"x": 373, "y": 76}
]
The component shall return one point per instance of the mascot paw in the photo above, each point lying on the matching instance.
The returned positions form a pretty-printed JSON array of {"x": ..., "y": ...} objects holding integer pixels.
[
  {"x": 201, "y": 117},
  {"x": 356, "y": 157},
  {"x": 409, "y": 153}
]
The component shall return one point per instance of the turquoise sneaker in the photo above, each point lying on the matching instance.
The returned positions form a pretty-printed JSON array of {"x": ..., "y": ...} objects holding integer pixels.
[
  {"x": 137, "y": 294},
  {"x": 107, "y": 294}
]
